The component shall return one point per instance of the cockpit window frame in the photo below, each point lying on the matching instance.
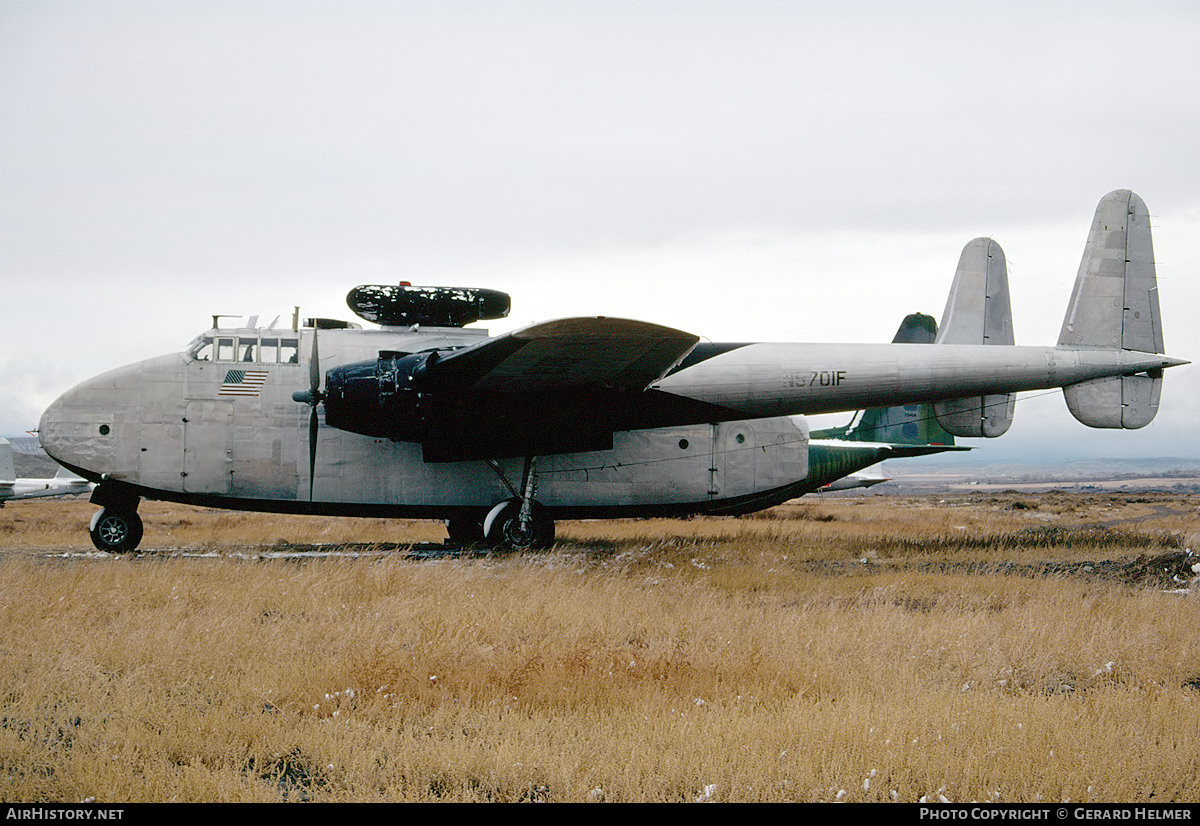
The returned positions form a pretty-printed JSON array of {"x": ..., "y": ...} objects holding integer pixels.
[
  {"x": 284, "y": 349},
  {"x": 199, "y": 345}
]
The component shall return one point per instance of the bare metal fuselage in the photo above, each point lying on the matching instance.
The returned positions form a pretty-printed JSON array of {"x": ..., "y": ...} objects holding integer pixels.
[{"x": 172, "y": 428}]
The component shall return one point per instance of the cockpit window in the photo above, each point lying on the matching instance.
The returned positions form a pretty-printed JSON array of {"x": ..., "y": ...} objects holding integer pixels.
[
  {"x": 245, "y": 349},
  {"x": 201, "y": 349},
  {"x": 289, "y": 351}
]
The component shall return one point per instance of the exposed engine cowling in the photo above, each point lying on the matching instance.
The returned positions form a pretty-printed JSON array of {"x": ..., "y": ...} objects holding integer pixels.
[{"x": 380, "y": 398}]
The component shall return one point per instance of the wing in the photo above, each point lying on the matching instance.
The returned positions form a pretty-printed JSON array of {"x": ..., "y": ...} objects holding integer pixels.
[
  {"x": 555, "y": 387},
  {"x": 565, "y": 355}
]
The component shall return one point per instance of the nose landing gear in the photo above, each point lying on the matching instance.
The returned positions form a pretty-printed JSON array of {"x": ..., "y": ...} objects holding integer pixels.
[{"x": 116, "y": 530}]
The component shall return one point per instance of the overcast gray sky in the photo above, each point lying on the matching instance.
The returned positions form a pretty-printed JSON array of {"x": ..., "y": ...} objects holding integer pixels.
[{"x": 744, "y": 170}]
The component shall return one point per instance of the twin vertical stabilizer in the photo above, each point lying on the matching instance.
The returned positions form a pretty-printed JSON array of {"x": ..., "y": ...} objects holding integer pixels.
[
  {"x": 1114, "y": 306},
  {"x": 978, "y": 311}
]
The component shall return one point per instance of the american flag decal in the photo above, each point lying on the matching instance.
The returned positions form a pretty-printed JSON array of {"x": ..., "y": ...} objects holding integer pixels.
[{"x": 243, "y": 382}]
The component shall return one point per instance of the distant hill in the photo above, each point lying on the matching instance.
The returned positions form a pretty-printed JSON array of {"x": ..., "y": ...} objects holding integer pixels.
[{"x": 1168, "y": 474}]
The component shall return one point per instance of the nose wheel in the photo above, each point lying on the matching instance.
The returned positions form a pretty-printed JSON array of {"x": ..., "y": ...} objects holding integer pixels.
[{"x": 115, "y": 530}]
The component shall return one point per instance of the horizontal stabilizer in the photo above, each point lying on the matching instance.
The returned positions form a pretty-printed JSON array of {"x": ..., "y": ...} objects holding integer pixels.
[
  {"x": 907, "y": 424},
  {"x": 1114, "y": 306},
  {"x": 978, "y": 311}
]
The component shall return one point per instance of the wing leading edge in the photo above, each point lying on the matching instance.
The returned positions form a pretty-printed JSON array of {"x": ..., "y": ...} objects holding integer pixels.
[{"x": 610, "y": 353}]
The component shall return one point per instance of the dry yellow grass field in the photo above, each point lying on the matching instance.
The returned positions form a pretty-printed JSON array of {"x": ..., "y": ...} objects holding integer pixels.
[{"x": 977, "y": 648}]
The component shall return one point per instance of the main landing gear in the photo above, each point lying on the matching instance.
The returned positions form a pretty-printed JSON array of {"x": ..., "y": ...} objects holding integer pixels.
[
  {"x": 516, "y": 524},
  {"x": 116, "y": 528}
]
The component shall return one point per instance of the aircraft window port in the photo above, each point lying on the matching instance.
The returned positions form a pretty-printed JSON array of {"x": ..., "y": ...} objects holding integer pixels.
[
  {"x": 225, "y": 349},
  {"x": 289, "y": 351},
  {"x": 683, "y": 444},
  {"x": 269, "y": 350},
  {"x": 104, "y": 430},
  {"x": 248, "y": 347}
]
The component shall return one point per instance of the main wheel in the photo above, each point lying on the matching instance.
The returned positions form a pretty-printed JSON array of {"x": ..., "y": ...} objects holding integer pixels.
[
  {"x": 115, "y": 531},
  {"x": 503, "y": 529}
]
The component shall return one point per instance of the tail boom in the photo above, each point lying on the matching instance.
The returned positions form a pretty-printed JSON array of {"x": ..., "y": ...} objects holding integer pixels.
[{"x": 788, "y": 379}]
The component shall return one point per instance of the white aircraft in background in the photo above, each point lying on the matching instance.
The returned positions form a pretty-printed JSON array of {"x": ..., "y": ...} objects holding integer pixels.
[
  {"x": 63, "y": 483},
  {"x": 863, "y": 479}
]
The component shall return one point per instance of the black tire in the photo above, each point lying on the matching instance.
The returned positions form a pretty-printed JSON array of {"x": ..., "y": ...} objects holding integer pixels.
[
  {"x": 504, "y": 532},
  {"x": 116, "y": 531}
]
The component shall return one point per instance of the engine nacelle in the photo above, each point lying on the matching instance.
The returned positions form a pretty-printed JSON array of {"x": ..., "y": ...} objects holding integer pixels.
[{"x": 380, "y": 398}]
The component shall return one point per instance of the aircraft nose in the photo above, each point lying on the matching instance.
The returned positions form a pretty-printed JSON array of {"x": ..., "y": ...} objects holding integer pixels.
[{"x": 80, "y": 430}]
